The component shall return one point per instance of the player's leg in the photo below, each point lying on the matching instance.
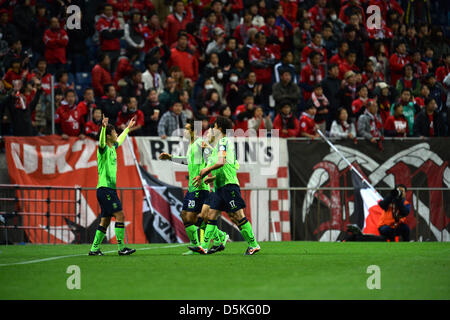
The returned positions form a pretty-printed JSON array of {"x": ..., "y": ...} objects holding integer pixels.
[
  {"x": 189, "y": 220},
  {"x": 99, "y": 236},
  {"x": 119, "y": 230},
  {"x": 220, "y": 237}
]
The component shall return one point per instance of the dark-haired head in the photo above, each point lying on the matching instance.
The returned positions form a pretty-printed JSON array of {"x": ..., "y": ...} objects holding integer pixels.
[{"x": 223, "y": 124}]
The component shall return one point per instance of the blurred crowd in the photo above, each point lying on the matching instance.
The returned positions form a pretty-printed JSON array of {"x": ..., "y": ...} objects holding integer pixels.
[{"x": 295, "y": 65}]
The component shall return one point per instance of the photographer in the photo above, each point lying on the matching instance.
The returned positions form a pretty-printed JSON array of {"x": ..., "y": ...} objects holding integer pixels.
[{"x": 395, "y": 210}]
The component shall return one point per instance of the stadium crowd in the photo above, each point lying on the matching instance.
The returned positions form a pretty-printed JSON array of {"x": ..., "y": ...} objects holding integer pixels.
[{"x": 293, "y": 65}]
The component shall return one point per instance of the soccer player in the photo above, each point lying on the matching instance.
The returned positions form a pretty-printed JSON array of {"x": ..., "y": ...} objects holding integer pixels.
[
  {"x": 196, "y": 196},
  {"x": 227, "y": 195},
  {"x": 106, "y": 187}
]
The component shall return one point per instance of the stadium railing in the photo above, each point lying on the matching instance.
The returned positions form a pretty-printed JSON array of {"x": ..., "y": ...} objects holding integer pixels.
[{"x": 53, "y": 215}]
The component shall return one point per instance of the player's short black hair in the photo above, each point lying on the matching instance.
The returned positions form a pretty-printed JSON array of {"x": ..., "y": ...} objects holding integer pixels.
[
  {"x": 223, "y": 124},
  {"x": 109, "y": 129}
]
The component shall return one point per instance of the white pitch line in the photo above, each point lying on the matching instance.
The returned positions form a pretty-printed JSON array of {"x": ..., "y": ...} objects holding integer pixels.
[{"x": 79, "y": 255}]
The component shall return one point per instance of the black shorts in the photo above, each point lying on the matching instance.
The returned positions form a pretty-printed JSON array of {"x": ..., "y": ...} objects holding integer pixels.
[
  {"x": 227, "y": 198},
  {"x": 109, "y": 201},
  {"x": 193, "y": 201}
]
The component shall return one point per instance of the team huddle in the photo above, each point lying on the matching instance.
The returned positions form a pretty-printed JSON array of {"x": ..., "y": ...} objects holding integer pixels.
[{"x": 210, "y": 167}]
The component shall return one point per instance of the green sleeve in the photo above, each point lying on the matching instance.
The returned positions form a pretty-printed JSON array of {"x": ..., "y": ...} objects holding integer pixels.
[
  {"x": 102, "y": 142},
  {"x": 122, "y": 136}
]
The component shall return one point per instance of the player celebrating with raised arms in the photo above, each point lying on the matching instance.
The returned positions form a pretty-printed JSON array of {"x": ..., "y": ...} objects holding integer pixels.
[
  {"x": 196, "y": 196},
  {"x": 227, "y": 195},
  {"x": 106, "y": 187}
]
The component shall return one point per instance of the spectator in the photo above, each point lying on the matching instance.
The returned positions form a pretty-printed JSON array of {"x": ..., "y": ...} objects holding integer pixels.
[
  {"x": 152, "y": 111},
  {"x": 229, "y": 56},
  {"x": 261, "y": 60},
  {"x": 342, "y": 128},
  {"x": 408, "y": 81},
  {"x": 88, "y": 103},
  {"x": 419, "y": 66},
  {"x": 370, "y": 125},
  {"x": 129, "y": 113},
  {"x": 381, "y": 62},
  {"x": 245, "y": 112},
  {"x": 314, "y": 46},
  {"x": 348, "y": 9},
  {"x": 62, "y": 81},
  {"x": 308, "y": 126},
  {"x": 187, "y": 108},
  {"x": 286, "y": 64},
  {"x": 396, "y": 125},
  {"x": 424, "y": 94},
  {"x": 92, "y": 127},
  {"x": 232, "y": 91},
  {"x": 207, "y": 31},
  {"x": 285, "y": 121},
  {"x": 132, "y": 86},
  {"x": 410, "y": 109},
  {"x": 339, "y": 57},
  {"x": 70, "y": 118},
  {"x": 55, "y": 40},
  {"x": 259, "y": 122},
  {"x": 183, "y": 57},
  {"x": 348, "y": 64},
  {"x": 318, "y": 14},
  {"x": 172, "y": 122},
  {"x": 101, "y": 75},
  {"x": 111, "y": 103},
  {"x": 273, "y": 33},
  {"x": 320, "y": 101},
  {"x": 7, "y": 29},
  {"x": 385, "y": 98},
  {"x": 444, "y": 69},
  {"x": 392, "y": 222},
  {"x": 168, "y": 97},
  {"x": 251, "y": 85},
  {"x": 176, "y": 22},
  {"x": 312, "y": 74},
  {"x": 286, "y": 90},
  {"x": 77, "y": 48},
  {"x": 110, "y": 32},
  {"x": 348, "y": 91},
  {"x": 15, "y": 53},
  {"x": 397, "y": 61},
  {"x": 331, "y": 86},
  {"x": 370, "y": 77},
  {"x": 151, "y": 78},
  {"x": 429, "y": 122},
  {"x": 436, "y": 91},
  {"x": 134, "y": 32},
  {"x": 359, "y": 105},
  {"x": 14, "y": 74},
  {"x": 217, "y": 45},
  {"x": 241, "y": 31},
  {"x": 23, "y": 18}
]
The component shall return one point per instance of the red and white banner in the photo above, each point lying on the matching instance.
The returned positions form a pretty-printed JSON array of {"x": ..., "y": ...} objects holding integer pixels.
[{"x": 52, "y": 161}]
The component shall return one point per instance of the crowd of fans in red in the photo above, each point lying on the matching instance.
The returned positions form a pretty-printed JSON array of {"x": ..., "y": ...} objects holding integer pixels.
[{"x": 293, "y": 65}]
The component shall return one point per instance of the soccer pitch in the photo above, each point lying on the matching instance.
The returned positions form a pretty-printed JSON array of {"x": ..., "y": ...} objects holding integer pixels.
[{"x": 282, "y": 270}]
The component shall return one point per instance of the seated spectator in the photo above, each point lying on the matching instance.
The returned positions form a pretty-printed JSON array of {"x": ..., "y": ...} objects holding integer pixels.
[
  {"x": 151, "y": 77},
  {"x": 172, "y": 122},
  {"x": 184, "y": 58},
  {"x": 348, "y": 64},
  {"x": 244, "y": 112},
  {"x": 312, "y": 74},
  {"x": 40, "y": 72},
  {"x": 444, "y": 69},
  {"x": 55, "y": 40},
  {"x": 88, "y": 103},
  {"x": 308, "y": 126},
  {"x": 419, "y": 66},
  {"x": 410, "y": 109},
  {"x": 436, "y": 91},
  {"x": 212, "y": 101},
  {"x": 253, "y": 86},
  {"x": 110, "y": 103},
  {"x": 429, "y": 122},
  {"x": 92, "y": 127},
  {"x": 286, "y": 90},
  {"x": 342, "y": 128},
  {"x": 408, "y": 81},
  {"x": 370, "y": 125},
  {"x": 70, "y": 118},
  {"x": 125, "y": 65},
  {"x": 396, "y": 125},
  {"x": 177, "y": 74},
  {"x": 187, "y": 108},
  {"x": 207, "y": 31},
  {"x": 321, "y": 103},
  {"x": 152, "y": 111},
  {"x": 259, "y": 122},
  {"x": 314, "y": 46},
  {"x": 287, "y": 59},
  {"x": 62, "y": 81},
  {"x": 129, "y": 113},
  {"x": 385, "y": 97},
  {"x": 359, "y": 105},
  {"x": 229, "y": 56},
  {"x": 424, "y": 94},
  {"x": 101, "y": 75},
  {"x": 14, "y": 74},
  {"x": 132, "y": 86},
  {"x": 285, "y": 121}
]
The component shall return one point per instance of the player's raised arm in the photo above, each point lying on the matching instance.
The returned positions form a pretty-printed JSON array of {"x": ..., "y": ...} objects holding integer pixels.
[
  {"x": 124, "y": 134},
  {"x": 102, "y": 139}
]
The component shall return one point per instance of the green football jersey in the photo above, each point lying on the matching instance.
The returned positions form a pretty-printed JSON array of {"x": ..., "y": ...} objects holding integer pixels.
[
  {"x": 228, "y": 173},
  {"x": 196, "y": 162}
]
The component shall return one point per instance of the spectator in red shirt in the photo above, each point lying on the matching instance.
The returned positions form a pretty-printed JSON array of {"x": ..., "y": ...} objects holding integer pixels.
[
  {"x": 443, "y": 70},
  {"x": 55, "y": 40},
  {"x": 348, "y": 64},
  {"x": 131, "y": 112},
  {"x": 261, "y": 59},
  {"x": 308, "y": 126},
  {"x": 312, "y": 74},
  {"x": 396, "y": 125},
  {"x": 110, "y": 33},
  {"x": 397, "y": 61},
  {"x": 420, "y": 67},
  {"x": 348, "y": 9},
  {"x": 424, "y": 94},
  {"x": 92, "y": 128},
  {"x": 70, "y": 118},
  {"x": 287, "y": 124},
  {"x": 370, "y": 77},
  {"x": 274, "y": 34},
  {"x": 314, "y": 45},
  {"x": 245, "y": 111},
  {"x": 359, "y": 105},
  {"x": 182, "y": 57},
  {"x": 176, "y": 21},
  {"x": 15, "y": 73},
  {"x": 207, "y": 31},
  {"x": 241, "y": 31},
  {"x": 88, "y": 103},
  {"x": 339, "y": 57},
  {"x": 318, "y": 14},
  {"x": 101, "y": 75}
]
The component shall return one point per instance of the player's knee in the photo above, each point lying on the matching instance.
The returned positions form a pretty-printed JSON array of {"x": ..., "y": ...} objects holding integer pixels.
[
  {"x": 213, "y": 214},
  {"x": 120, "y": 217}
]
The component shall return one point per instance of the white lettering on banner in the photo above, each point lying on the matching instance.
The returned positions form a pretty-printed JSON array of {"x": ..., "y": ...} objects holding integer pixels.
[
  {"x": 15, "y": 153},
  {"x": 83, "y": 162},
  {"x": 50, "y": 159}
]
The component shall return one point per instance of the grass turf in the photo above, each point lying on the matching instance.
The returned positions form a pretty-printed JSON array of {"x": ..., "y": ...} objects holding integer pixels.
[{"x": 282, "y": 270}]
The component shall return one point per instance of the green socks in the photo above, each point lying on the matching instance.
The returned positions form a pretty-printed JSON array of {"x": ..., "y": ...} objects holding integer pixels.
[
  {"x": 191, "y": 231},
  {"x": 99, "y": 236},
  {"x": 210, "y": 232},
  {"x": 120, "y": 234},
  {"x": 247, "y": 232}
]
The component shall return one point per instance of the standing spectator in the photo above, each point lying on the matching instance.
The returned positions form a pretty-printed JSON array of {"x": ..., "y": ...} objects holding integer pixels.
[
  {"x": 92, "y": 127},
  {"x": 151, "y": 78},
  {"x": 111, "y": 103},
  {"x": 125, "y": 65},
  {"x": 42, "y": 22},
  {"x": 385, "y": 97},
  {"x": 339, "y": 57},
  {"x": 370, "y": 77},
  {"x": 70, "y": 118},
  {"x": 55, "y": 40},
  {"x": 286, "y": 63},
  {"x": 331, "y": 86},
  {"x": 436, "y": 91},
  {"x": 229, "y": 56},
  {"x": 129, "y": 113},
  {"x": 15, "y": 73},
  {"x": 88, "y": 103},
  {"x": 176, "y": 22},
  {"x": 170, "y": 94},
  {"x": 251, "y": 85},
  {"x": 348, "y": 91},
  {"x": 312, "y": 74},
  {"x": 285, "y": 121},
  {"x": 348, "y": 9},
  {"x": 410, "y": 109},
  {"x": 348, "y": 64},
  {"x": 370, "y": 125},
  {"x": 134, "y": 32},
  {"x": 261, "y": 60},
  {"x": 217, "y": 45},
  {"x": 101, "y": 75},
  {"x": 429, "y": 122},
  {"x": 132, "y": 86},
  {"x": 420, "y": 67},
  {"x": 207, "y": 31},
  {"x": 7, "y": 29},
  {"x": 342, "y": 127},
  {"x": 110, "y": 33},
  {"x": 314, "y": 46},
  {"x": 182, "y": 57},
  {"x": 187, "y": 108},
  {"x": 77, "y": 48},
  {"x": 24, "y": 21},
  {"x": 241, "y": 31},
  {"x": 320, "y": 101},
  {"x": 408, "y": 81},
  {"x": 308, "y": 126},
  {"x": 273, "y": 33},
  {"x": 424, "y": 94},
  {"x": 152, "y": 111},
  {"x": 396, "y": 125},
  {"x": 397, "y": 61},
  {"x": 318, "y": 14},
  {"x": 286, "y": 90},
  {"x": 172, "y": 122}
]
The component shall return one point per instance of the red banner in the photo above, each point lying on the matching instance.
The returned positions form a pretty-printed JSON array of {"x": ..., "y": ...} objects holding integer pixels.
[{"x": 53, "y": 161}]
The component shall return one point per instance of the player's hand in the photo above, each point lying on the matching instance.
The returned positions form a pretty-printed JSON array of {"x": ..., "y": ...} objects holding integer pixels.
[
  {"x": 165, "y": 156},
  {"x": 209, "y": 179},
  {"x": 132, "y": 122},
  {"x": 203, "y": 172},
  {"x": 197, "y": 180},
  {"x": 104, "y": 121}
]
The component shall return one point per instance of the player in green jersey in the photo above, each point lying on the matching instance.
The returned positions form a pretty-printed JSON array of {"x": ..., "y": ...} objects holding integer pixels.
[
  {"x": 106, "y": 188},
  {"x": 197, "y": 196},
  {"x": 227, "y": 195}
]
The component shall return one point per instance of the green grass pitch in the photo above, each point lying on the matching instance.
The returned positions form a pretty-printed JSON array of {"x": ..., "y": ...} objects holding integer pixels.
[{"x": 282, "y": 270}]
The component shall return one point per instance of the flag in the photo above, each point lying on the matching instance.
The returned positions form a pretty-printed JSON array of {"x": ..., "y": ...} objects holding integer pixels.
[
  {"x": 367, "y": 212},
  {"x": 162, "y": 220}
]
